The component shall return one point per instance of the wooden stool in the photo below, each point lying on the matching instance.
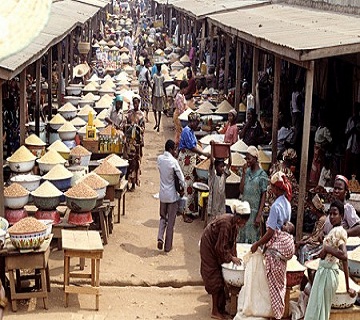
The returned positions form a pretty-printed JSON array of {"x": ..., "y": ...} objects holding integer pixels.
[
  {"x": 86, "y": 245},
  {"x": 120, "y": 192},
  {"x": 36, "y": 259},
  {"x": 234, "y": 292}
]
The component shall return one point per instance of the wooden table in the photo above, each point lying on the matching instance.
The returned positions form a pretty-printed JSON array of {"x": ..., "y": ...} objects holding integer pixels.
[
  {"x": 102, "y": 215},
  {"x": 87, "y": 245},
  {"x": 120, "y": 191},
  {"x": 36, "y": 260}
]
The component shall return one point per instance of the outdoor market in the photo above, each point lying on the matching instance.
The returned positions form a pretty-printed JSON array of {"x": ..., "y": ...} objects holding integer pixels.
[{"x": 180, "y": 160}]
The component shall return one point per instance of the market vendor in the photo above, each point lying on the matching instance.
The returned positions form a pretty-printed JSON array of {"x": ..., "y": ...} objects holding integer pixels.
[
  {"x": 279, "y": 245},
  {"x": 115, "y": 113},
  {"x": 191, "y": 89},
  {"x": 350, "y": 221},
  {"x": 252, "y": 133},
  {"x": 231, "y": 130},
  {"x": 218, "y": 246}
]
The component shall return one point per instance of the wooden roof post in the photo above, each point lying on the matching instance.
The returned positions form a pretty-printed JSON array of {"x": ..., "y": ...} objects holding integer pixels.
[
  {"x": 38, "y": 95},
  {"x": 255, "y": 74},
  {"x": 59, "y": 70},
  {"x": 50, "y": 83},
  {"x": 186, "y": 32},
  {"x": 67, "y": 61},
  {"x": 23, "y": 106},
  {"x": 71, "y": 54},
  {"x": 305, "y": 149},
  {"x": 212, "y": 33},
  {"x": 1, "y": 155},
  {"x": 238, "y": 73},
  {"x": 227, "y": 62},
  {"x": 276, "y": 99},
  {"x": 202, "y": 41},
  {"x": 170, "y": 22},
  {"x": 218, "y": 56}
]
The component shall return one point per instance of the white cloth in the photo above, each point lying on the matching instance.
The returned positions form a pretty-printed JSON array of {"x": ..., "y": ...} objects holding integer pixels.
[
  {"x": 350, "y": 219},
  {"x": 168, "y": 166},
  {"x": 254, "y": 297},
  {"x": 115, "y": 116},
  {"x": 322, "y": 135},
  {"x": 143, "y": 76}
]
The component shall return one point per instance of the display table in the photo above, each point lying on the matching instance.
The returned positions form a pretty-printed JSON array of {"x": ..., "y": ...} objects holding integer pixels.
[
  {"x": 86, "y": 245},
  {"x": 120, "y": 192},
  {"x": 352, "y": 313},
  {"x": 36, "y": 260}
]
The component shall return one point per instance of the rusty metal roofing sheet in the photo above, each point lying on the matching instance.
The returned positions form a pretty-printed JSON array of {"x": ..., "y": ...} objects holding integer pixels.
[
  {"x": 64, "y": 17},
  {"x": 201, "y": 8},
  {"x": 299, "y": 33}
]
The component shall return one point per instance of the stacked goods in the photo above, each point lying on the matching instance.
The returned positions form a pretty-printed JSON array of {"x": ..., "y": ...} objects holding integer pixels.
[
  {"x": 239, "y": 146},
  {"x": 232, "y": 186},
  {"x": 68, "y": 111},
  {"x": 15, "y": 190},
  {"x": 80, "y": 156},
  {"x": 92, "y": 86},
  {"x": 57, "y": 121},
  {"x": 224, "y": 107},
  {"x": 78, "y": 122},
  {"x": 233, "y": 178},
  {"x": 95, "y": 182},
  {"x": 108, "y": 172},
  {"x": 84, "y": 111},
  {"x": 61, "y": 148},
  {"x": 47, "y": 189},
  {"x": 80, "y": 151},
  {"x": 206, "y": 108},
  {"x": 202, "y": 169},
  {"x": 28, "y": 233},
  {"x": 98, "y": 123},
  {"x": 90, "y": 96},
  {"x": 118, "y": 162},
  {"x": 51, "y": 157},
  {"x": 67, "y": 127},
  {"x": 59, "y": 172},
  {"x": 81, "y": 198},
  {"x": 34, "y": 140},
  {"x": 22, "y": 160}
]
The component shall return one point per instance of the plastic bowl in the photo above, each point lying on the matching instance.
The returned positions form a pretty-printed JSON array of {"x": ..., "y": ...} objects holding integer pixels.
[
  {"x": 73, "y": 91},
  {"x": 72, "y": 99},
  {"x": 29, "y": 240},
  {"x": 24, "y": 166},
  {"x": 61, "y": 184},
  {"x": 48, "y": 224},
  {"x": 46, "y": 203},
  {"x": 113, "y": 179},
  {"x": 67, "y": 135},
  {"x": 29, "y": 181},
  {"x": 16, "y": 202},
  {"x": 4, "y": 224},
  {"x": 354, "y": 267},
  {"x": 233, "y": 274},
  {"x": 81, "y": 204},
  {"x": 46, "y": 167},
  {"x": 68, "y": 115},
  {"x": 80, "y": 160}
]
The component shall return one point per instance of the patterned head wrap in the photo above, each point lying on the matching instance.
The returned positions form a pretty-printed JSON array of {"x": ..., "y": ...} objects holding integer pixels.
[
  {"x": 289, "y": 154},
  {"x": 253, "y": 151},
  {"x": 280, "y": 180},
  {"x": 194, "y": 116},
  {"x": 344, "y": 179}
]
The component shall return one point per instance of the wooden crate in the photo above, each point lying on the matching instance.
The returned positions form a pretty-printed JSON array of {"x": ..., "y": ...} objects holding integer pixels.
[{"x": 91, "y": 145}]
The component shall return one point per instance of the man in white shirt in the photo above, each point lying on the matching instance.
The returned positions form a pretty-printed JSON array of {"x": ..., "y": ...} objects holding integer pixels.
[
  {"x": 115, "y": 115},
  {"x": 168, "y": 167}
]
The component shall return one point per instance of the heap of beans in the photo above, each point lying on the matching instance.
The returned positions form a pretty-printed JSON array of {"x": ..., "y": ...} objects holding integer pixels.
[
  {"x": 94, "y": 181},
  {"x": 106, "y": 168},
  {"x": 27, "y": 225},
  {"x": 15, "y": 190},
  {"x": 80, "y": 151},
  {"x": 81, "y": 191}
]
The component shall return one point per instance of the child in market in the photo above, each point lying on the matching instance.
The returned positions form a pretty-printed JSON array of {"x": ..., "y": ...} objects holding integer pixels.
[
  {"x": 327, "y": 276},
  {"x": 218, "y": 172}
]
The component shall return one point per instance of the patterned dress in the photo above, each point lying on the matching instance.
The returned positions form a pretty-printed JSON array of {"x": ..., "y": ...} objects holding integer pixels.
[{"x": 255, "y": 185}]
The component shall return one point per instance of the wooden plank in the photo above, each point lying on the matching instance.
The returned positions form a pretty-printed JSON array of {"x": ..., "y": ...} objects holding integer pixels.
[
  {"x": 67, "y": 61},
  {"x": 38, "y": 96},
  {"x": 304, "y": 150},
  {"x": 352, "y": 313},
  {"x": 202, "y": 41},
  {"x": 71, "y": 54},
  {"x": 276, "y": 100},
  {"x": 238, "y": 73},
  {"x": 81, "y": 240},
  {"x": 23, "y": 106},
  {"x": 49, "y": 75},
  {"x": 59, "y": 70},
  {"x": 81, "y": 275},
  {"x": 227, "y": 54},
  {"x": 218, "y": 53},
  {"x": 82, "y": 290},
  {"x": 211, "y": 27},
  {"x": 255, "y": 74}
]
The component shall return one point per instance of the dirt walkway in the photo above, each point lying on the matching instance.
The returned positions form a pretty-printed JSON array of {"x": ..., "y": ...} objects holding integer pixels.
[{"x": 138, "y": 281}]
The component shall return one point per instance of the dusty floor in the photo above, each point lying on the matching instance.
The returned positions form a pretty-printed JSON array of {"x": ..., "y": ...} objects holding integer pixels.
[{"x": 138, "y": 281}]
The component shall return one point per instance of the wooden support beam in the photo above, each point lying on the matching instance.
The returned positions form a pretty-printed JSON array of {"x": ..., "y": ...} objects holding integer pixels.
[
  {"x": 170, "y": 22},
  {"x": 212, "y": 33},
  {"x": 186, "y": 32},
  {"x": 1, "y": 155},
  {"x": 255, "y": 74},
  {"x": 276, "y": 99},
  {"x": 180, "y": 28},
  {"x": 38, "y": 96},
  {"x": 238, "y": 73},
  {"x": 66, "y": 61},
  {"x": 227, "y": 63},
  {"x": 304, "y": 150},
  {"x": 71, "y": 54},
  {"x": 49, "y": 91},
  {"x": 23, "y": 106},
  {"x": 202, "y": 41},
  {"x": 218, "y": 56},
  {"x": 59, "y": 70}
]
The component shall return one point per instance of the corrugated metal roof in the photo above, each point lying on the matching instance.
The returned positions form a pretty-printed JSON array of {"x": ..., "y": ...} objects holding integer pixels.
[
  {"x": 64, "y": 17},
  {"x": 298, "y": 33},
  {"x": 201, "y": 8}
]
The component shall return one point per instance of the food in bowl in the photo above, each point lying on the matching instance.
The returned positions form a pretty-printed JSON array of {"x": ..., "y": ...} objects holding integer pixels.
[
  {"x": 108, "y": 172},
  {"x": 95, "y": 182},
  {"x": 15, "y": 196},
  {"x": 29, "y": 181},
  {"x": 28, "y": 233},
  {"x": 81, "y": 198},
  {"x": 233, "y": 274}
]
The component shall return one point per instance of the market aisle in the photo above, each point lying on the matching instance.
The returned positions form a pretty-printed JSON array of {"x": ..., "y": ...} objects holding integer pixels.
[{"x": 132, "y": 259}]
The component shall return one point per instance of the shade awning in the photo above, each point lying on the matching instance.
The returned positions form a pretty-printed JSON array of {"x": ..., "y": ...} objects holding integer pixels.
[{"x": 299, "y": 33}]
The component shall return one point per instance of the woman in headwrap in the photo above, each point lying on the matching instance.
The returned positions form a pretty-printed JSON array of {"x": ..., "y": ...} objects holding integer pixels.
[
  {"x": 350, "y": 221},
  {"x": 134, "y": 132},
  {"x": 253, "y": 185},
  {"x": 327, "y": 275},
  {"x": 188, "y": 152},
  {"x": 287, "y": 166},
  {"x": 279, "y": 245},
  {"x": 231, "y": 130},
  {"x": 179, "y": 106},
  {"x": 252, "y": 133}
]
